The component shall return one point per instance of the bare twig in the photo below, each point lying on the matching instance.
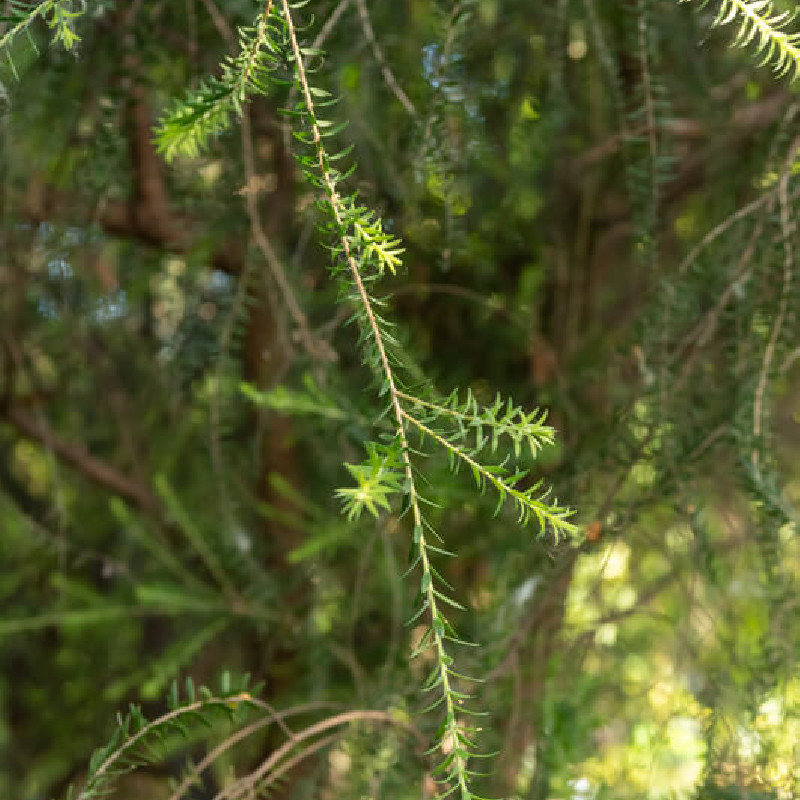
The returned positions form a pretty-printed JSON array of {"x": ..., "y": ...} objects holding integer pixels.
[
  {"x": 787, "y": 230},
  {"x": 698, "y": 337},
  {"x": 277, "y": 717},
  {"x": 220, "y": 23},
  {"x": 290, "y": 763},
  {"x": 723, "y": 227},
  {"x": 378, "y": 54},
  {"x": 249, "y": 783},
  {"x": 316, "y": 350}
]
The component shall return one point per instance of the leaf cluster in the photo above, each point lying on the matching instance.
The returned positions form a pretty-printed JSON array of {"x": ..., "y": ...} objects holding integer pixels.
[
  {"x": 765, "y": 29},
  {"x": 60, "y": 16},
  {"x": 206, "y": 111},
  {"x": 362, "y": 252}
]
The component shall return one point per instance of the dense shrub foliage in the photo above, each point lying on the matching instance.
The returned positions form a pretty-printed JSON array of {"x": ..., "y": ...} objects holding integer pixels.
[{"x": 398, "y": 399}]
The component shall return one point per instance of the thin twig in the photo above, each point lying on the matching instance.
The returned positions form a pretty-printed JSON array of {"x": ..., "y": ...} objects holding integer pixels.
[
  {"x": 316, "y": 350},
  {"x": 378, "y": 54},
  {"x": 723, "y": 227},
  {"x": 277, "y": 717},
  {"x": 787, "y": 230},
  {"x": 327, "y": 29},
  {"x": 251, "y": 781},
  {"x": 453, "y": 728},
  {"x": 458, "y": 291},
  {"x": 220, "y": 23},
  {"x": 140, "y": 735},
  {"x": 76, "y": 455},
  {"x": 291, "y": 763},
  {"x": 698, "y": 337}
]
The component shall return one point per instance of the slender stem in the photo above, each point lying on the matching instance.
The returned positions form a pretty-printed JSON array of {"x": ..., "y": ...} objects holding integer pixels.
[
  {"x": 261, "y": 36},
  {"x": 377, "y": 51},
  {"x": 38, "y": 11},
  {"x": 249, "y": 782},
  {"x": 316, "y": 350},
  {"x": 277, "y": 717},
  {"x": 787, "y": 230},
  {"x": 452, "y": 727}
]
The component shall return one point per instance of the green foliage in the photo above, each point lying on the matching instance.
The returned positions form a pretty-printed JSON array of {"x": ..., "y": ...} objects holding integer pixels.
[
  {"x": 137, "y": 742},
  {"x": 377, "y": 480},
  {"x": 567, "y": 204},
  {"x": 312, "y": 400},
  {"x": 362, "y": 252},
  {"x": 764, "y": 28},
  {"x": 477, "y": 430},
  {"x": 205, "y": 113},
  {"x": 60, "y": 16}
]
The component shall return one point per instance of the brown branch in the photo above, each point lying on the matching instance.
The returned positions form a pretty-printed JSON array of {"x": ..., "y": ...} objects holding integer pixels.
[
  {"x": 77, "y": 456},
  {"x": 121, "y": 219},
  {"x": 146, "y": 216},
  {"x": 744, "y": 122},
  {"x": 150, "y": 207},
  {"x": 678, "y": 128}
]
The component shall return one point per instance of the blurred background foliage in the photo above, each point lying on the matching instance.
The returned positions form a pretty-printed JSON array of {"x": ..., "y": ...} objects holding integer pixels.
[{"x": 598, "y": 204}]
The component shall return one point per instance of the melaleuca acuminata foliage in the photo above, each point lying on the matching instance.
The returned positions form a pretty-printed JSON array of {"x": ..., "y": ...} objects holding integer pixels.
[
  {"x": 228, "y": 717},
  {"x": 60, "y": 16},
  {"x": 414, "y": 421},
  {"x": 363, "y": 252},
  {"x": 763, "y": 29},
  {"x": 205, "y": 112},
  {"x": 137, "y": 741}
]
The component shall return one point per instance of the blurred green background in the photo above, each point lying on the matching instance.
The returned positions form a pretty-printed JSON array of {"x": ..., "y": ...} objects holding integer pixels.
[{"x": 598, "y": 205}]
